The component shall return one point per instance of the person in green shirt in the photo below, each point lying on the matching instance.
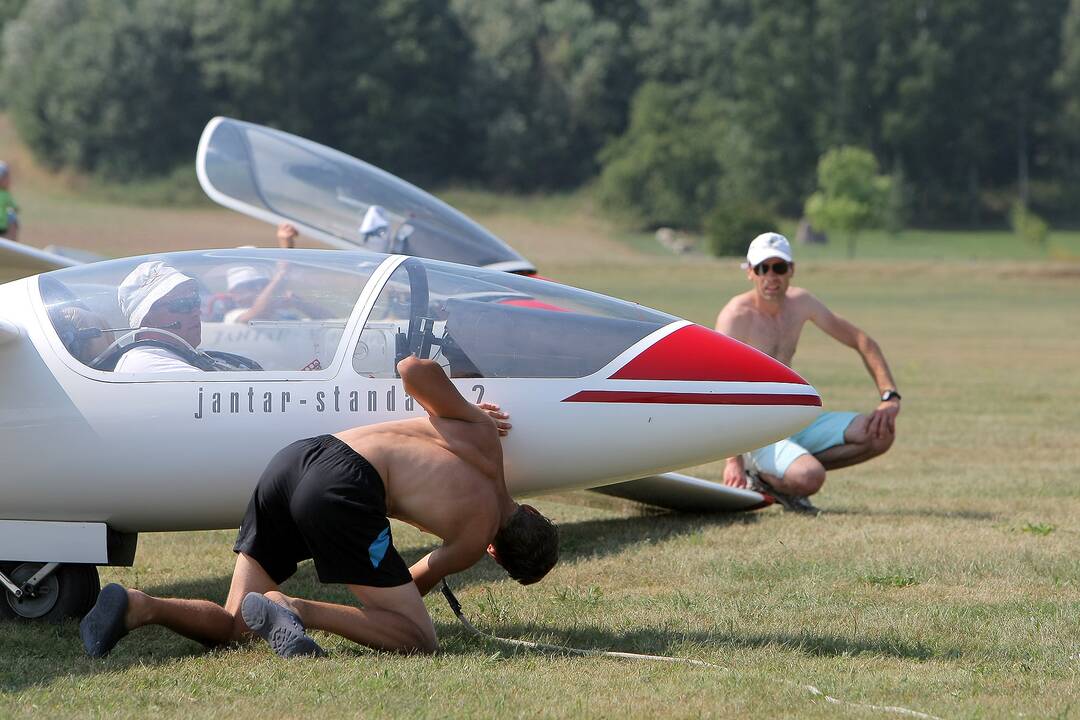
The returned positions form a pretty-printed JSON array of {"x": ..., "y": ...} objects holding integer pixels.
[{"x": 9, "y": 219}]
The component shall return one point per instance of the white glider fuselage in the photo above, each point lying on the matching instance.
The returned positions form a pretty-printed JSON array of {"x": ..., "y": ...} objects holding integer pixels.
[{"x": 183, "y": 451}]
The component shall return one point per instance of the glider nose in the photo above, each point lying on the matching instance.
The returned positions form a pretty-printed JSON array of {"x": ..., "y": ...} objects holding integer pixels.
[
  {"x": 722, "y": 396},
  {"x": 695, "y": 354}
]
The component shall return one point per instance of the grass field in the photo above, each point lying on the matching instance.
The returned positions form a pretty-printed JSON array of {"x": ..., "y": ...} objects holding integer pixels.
[{"x": 944, "y": 576}]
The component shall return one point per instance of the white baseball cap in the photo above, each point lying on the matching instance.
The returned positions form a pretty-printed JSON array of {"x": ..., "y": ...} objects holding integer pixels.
[
  {"x": 765, "y": 246},
  {"x": 144, "y": 286},
  {"x": 237, "y": 276}
]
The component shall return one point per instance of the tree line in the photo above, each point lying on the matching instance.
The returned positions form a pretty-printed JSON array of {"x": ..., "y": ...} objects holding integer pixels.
[{"x": 683, "y": 112}]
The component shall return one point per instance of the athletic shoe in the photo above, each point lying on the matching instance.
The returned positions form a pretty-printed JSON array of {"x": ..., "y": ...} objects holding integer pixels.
[
  {"x": 103, "y": 626},
  {"x": 755, "y": 483},
  {"x": 278, "y": 626},
  {"x": 790, "y": 503}
]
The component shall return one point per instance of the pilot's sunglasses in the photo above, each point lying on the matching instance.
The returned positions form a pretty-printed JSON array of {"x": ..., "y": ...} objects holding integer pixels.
[
  {"x": 780, "y": 267},
  {"x": 184, "y": 305}
]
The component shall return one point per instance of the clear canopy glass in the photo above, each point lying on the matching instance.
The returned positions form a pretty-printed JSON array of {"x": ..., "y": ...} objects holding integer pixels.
[
  {"x": 479, "y": 323},
  {"x": 287, "y": 310},
  {"x": 244, "y": 309},
  {"x": 273, "y": 175}
]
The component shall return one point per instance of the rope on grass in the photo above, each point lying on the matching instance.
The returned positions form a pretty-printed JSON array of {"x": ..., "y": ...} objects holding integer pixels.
[{"x": 456, "y": 607}]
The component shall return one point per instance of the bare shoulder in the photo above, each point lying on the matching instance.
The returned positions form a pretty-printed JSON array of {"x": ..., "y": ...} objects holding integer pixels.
[
  {"x": 804, "y": 302},
  {"x": 740, "y": 303},
  {"x": 737, "y": 310}
]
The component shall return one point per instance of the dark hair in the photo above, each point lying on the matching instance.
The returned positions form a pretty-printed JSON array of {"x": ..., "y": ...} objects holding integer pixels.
[{"x": 527, "y": 546}]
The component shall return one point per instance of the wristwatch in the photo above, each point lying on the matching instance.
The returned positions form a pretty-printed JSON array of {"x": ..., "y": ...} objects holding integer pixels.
[{"x": 890, "y": 395}]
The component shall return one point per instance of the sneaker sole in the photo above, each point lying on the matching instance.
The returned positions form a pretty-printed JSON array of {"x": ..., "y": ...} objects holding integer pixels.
[{"x": 279, "y": 627}]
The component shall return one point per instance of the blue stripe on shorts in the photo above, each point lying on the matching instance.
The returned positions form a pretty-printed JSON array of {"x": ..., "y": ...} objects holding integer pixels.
[{"x": 377, "y": 550}]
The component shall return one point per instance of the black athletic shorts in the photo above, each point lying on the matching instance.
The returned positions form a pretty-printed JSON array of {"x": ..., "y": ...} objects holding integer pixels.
[{"x": 319, "y": 499}]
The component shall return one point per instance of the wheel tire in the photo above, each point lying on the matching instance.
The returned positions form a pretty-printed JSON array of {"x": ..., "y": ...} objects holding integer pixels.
[{"x": 69, "y": 592}]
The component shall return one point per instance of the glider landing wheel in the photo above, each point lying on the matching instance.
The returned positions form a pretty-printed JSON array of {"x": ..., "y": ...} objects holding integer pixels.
[{"x": 69, "y": 592}]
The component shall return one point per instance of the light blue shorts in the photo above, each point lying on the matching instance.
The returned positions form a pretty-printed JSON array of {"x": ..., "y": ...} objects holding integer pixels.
[{"x": 825, "y": 432}]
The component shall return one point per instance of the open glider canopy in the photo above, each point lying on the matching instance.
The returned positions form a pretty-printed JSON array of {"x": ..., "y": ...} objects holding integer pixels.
[
  {"x": 345, "y": 202},
  {"x": 319, "y": 310}
]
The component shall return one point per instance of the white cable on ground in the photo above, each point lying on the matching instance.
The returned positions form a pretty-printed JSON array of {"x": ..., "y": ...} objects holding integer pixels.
[{"x": 456, "y": 607}]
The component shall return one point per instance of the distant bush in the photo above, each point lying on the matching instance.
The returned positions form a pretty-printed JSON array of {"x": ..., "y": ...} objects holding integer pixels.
[
  {"x": 1028, "y": 226},
  {"x": 681, "y": 152},
  {"x": 730, "y": 228}
]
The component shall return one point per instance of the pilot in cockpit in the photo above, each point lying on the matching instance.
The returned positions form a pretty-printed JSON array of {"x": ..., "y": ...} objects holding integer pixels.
[
  {"x": 157, "y": 295},
  {"x": 81, "y": 332},
  {"x": 253, "y": 294}
]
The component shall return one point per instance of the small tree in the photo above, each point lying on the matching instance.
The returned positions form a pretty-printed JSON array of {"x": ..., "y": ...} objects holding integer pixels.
[
  {"x": 851, "y": 195},
  {"x": 1028, "y": 226}
]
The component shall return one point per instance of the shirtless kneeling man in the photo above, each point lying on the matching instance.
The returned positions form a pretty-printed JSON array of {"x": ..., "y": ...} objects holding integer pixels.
[
  {"x": 329, "y": 498},
  {"x": 770, "y": 317}
]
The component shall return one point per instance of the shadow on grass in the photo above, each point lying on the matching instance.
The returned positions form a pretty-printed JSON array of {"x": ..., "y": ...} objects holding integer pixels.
[{"x": 36, "y": 654}]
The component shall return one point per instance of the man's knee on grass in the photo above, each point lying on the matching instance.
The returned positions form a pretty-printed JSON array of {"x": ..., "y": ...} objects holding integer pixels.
[
  {"x": 805, "y": 476},
  {"x": 425, "y": 640},
  {"x": 527, "y": 545}
]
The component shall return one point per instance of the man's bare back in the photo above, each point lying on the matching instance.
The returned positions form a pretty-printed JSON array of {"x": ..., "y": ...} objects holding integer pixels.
[{"x": 443, "y": 476}]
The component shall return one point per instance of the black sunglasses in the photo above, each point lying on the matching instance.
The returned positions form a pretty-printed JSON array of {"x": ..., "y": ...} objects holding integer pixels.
[
  {"x": 184, "y": 305},
  {"x": 780, "y": 267}
]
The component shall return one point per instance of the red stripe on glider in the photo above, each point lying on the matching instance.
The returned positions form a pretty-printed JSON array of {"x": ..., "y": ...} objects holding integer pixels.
[
  {"x": 691, "y": 353},
  {"x": 678, "y": 398}
]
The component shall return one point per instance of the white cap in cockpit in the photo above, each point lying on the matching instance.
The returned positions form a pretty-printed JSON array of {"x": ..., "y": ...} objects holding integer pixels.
[
  {"x": 244, "y": 274},
  {"x": 144, "y": 286}
]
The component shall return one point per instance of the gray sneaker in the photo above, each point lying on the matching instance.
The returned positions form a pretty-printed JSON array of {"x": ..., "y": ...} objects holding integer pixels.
[
  {"x": 278, "y": 626},
  {"x": 790, "y": 503},
  {"x": 755, "y": 483}
]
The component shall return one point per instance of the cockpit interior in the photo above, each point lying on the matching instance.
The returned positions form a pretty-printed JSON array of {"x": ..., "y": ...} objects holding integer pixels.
[{"x": 293, "y": 311}]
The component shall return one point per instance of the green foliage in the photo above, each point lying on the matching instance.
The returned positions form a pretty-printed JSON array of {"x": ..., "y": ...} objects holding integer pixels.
[
  {"x": 729, "y": 228},
  {"x": 690, "y": 43},
  {"x": 1041, "y": 528},
  {"x": 972, "y": 100},
  {"x": 679, "y": 157},
  {"x": 9, "y": 10},
  {"x": 778, "y": 81},
  {"x": 851, "y": 196},
  {"x": 379, "y": 80},
  {"x": 104, "y": 86},
  {"x": 1066, "y": 79},
  {"x": 548, "y": 85},
  {"x": 1028, "y": 226}
]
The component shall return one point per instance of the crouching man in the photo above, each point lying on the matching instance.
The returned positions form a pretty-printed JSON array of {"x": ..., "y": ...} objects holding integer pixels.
[{"x": 329, "y": 498}]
